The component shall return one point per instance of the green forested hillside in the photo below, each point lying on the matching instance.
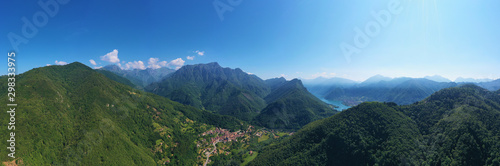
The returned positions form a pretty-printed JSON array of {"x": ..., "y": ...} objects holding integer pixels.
[
  {"x": 117, "y": 78},
  {"x": 455, "y": 126},
  {"x": 291, "y": 106},
  {"x": 274, "y": 103},
  {"x": 275, "y": 83},
  {"x": 211, "y": 87},
  {"x": 73, "y": 115}
]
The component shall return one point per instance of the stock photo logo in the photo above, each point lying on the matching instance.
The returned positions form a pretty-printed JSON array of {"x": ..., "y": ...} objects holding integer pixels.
[
  {"x": 39, "y": 19},
  {"x": 223, "y": 6},
  {"x": 364, "y": 35}
]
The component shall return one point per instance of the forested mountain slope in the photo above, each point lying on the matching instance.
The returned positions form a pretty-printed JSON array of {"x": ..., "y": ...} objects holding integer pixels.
[
  {"x": 209, "y": 86},
  {"x": 454, "y": 126},
  {"x": 291, "y": 106},
  {"x": 274, "y": 103},
  {"x": 140, "y": 78},
  {"x": 73, "y": 115}
]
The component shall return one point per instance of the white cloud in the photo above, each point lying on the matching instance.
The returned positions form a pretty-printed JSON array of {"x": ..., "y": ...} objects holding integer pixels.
[
  {"x": 200, "y": 53},
  {"x": 155, "y": 64},
  {"x": 61, "y": 63},
  {"x": 135, "y": 65},
  {"x": 111, "y": 57},
  {"x": 190, "y": 57},
  {"x": 177, "y": 63},
  {"x": 98, "y": 67},
  {"x": 283, "y": 75},
  {"x": 48, "y": 64},
  {"x": 92, "y": 62}
]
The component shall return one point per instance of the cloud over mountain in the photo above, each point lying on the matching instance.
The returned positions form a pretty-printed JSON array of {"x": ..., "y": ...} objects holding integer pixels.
[{"x": 111, "y": 57}]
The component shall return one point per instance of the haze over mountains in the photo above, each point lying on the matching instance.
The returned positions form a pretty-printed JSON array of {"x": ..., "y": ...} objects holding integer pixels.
[
  {"x": 185, "y": 88},
  {"x": 140, "y": 78},
  {"x": 460, "y": 79},
  {"x": 402, "y": 90},
  {"x": 437, "y": 78}
]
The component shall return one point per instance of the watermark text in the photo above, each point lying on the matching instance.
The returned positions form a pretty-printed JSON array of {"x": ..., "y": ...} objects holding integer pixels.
[{"x": 11, "y": 106}]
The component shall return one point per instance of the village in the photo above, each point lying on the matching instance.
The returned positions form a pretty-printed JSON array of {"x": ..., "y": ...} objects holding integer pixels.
[
  {"x": 224, "y": 135},
  {"x": 208, "y": 145}
]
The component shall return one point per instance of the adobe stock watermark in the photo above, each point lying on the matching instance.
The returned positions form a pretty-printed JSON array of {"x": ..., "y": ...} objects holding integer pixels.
[
  {"x": 372, "y": 29},
  {"x": 11, "y": 84},
  {"x": 39, "y": 20},
  {"x": 222, "y": 7}
]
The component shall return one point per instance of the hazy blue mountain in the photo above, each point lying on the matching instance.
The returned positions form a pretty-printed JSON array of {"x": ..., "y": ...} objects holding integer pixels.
[
  {"x": 472, "y": 80},
  {"x": 385, "y": 83},
  {"x": 320, "y": 86},
  {"x": 402, "y": 90},
  {"x": 492, "y": 85},
  {"x": 437, "y": 78},
  {"x": 415, "y": 90},
  {"x": 329, "y": 81},
  {"x": 141, "y": 78},
  {"x": 376, "y": 79}
]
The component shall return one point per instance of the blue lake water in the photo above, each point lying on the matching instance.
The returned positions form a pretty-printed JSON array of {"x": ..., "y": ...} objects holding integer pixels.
[{"x": 341, "y": 107}]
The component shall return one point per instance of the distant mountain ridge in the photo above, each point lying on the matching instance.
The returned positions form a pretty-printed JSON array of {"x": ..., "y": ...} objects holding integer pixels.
[
  {"x": 437, "y": 78},
  {"x": 472, "y": 80},
  {"x": 402, "y": 90},
  {"x": 376, "y": 79},
  {"x": 141, "y": 78}
]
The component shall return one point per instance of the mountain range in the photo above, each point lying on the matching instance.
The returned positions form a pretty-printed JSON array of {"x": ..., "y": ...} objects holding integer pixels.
[
  {"x": 472, "y": 80},
  {"x": 236, "y": 93},
  {"x": 437, "y": 78},
  {"x": 454, "y": 126},
  {"x": 402, "y": 90},
  {"x": 73, "y": 115},
  {"x": 140, "y": 78}
]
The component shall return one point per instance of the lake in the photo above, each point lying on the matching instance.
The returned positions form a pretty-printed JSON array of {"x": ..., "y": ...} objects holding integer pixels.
[{"x": 337, "y": 103}]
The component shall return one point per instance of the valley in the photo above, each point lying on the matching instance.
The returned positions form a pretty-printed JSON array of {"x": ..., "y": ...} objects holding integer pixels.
[
  {"x": 222, "y": 116},
  {"x": 250, "y": 83},
  {"x": 338, "y": 105}
]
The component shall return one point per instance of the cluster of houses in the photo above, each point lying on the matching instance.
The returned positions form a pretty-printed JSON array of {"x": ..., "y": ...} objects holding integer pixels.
[{"x": 224, "y": 135}]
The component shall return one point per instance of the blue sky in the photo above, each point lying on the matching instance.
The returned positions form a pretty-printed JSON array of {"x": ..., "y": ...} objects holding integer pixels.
[{"x": 294, "y": 38}]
